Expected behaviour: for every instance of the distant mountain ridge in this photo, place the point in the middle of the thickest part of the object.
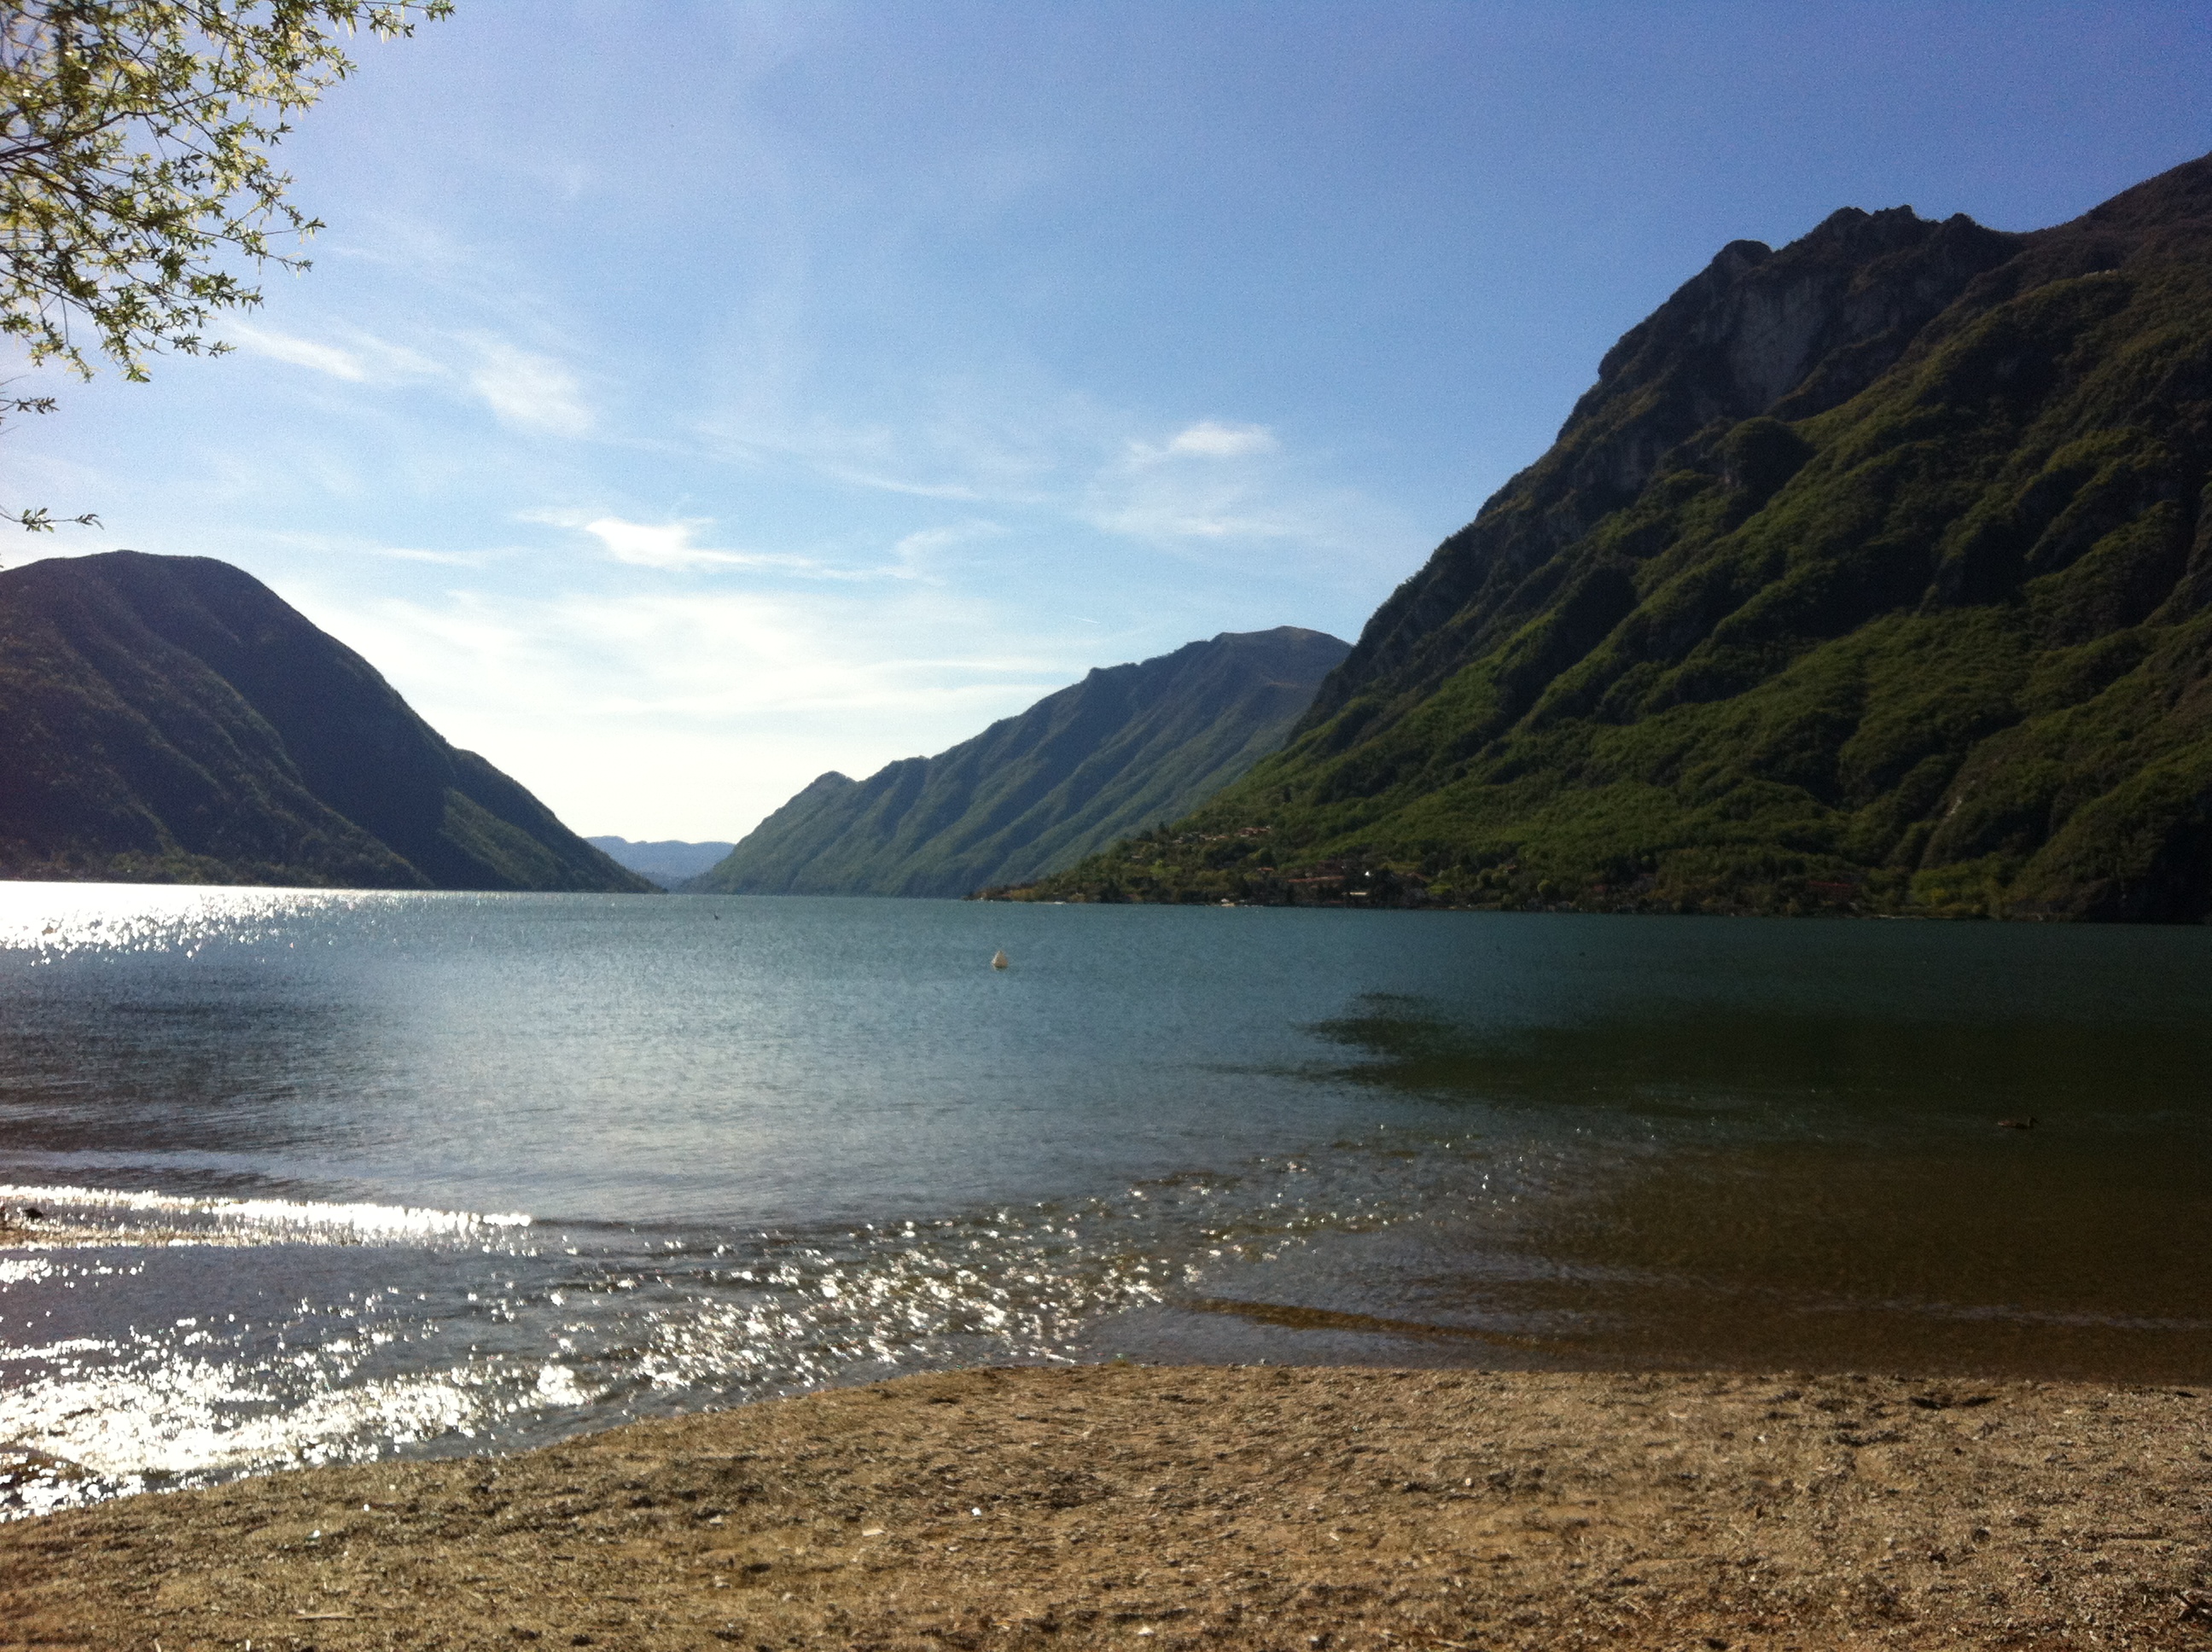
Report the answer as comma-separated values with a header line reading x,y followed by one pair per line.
x,y
1873,574
170,719
667,861
1127,746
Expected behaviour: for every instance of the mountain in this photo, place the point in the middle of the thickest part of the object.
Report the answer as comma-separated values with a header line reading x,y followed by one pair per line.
x,y
1873,574
667,862
1126,745
169,719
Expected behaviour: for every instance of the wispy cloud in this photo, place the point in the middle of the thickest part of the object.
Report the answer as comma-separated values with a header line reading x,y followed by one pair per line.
x,y
1212,488
1169,514
440,558
1210,481
360,358
1209,440
662,544
914,554
527,390
673,548
962,442
300,352
1064,456
667,546
957,492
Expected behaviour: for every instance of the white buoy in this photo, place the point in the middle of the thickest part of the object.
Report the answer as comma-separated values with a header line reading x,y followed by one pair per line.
x,y
998,959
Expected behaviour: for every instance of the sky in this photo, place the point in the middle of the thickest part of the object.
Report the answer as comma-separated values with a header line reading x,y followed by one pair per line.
x,y
690,397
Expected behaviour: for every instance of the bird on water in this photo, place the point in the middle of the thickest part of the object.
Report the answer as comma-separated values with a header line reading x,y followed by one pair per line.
x,y
998,959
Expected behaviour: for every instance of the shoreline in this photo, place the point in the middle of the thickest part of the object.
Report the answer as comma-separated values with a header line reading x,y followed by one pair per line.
x,y
1228,1507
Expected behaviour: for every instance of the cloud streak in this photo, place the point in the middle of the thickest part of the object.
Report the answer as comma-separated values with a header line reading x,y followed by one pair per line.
x,y
1208,485
527,391
1210,439
667,546
671,548
524,390
1206,488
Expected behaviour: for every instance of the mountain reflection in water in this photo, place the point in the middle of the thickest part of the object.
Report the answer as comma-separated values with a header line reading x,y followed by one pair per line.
x,y
1789,1189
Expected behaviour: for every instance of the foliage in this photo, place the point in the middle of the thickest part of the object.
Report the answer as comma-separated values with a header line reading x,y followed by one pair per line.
x,y
136,139
1944,647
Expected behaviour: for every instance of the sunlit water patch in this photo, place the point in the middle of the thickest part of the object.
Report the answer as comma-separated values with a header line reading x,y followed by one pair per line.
x,y
323,1176
44,922
46,1217
416,1331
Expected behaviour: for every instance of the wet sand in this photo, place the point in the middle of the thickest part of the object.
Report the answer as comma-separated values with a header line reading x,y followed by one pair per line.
x,y
1217,1507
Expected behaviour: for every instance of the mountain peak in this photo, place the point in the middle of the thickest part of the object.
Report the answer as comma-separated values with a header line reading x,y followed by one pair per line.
x,y
1875,574
171,719
1787,333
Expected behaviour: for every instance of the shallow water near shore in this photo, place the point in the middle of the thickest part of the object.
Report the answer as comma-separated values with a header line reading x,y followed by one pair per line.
x,y
330,1175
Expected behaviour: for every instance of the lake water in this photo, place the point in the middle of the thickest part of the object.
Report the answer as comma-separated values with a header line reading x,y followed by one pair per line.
x,y
435,1173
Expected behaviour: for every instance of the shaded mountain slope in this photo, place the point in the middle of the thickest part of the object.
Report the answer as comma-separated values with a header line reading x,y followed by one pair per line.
x,y
1129,745
170,719
1875,574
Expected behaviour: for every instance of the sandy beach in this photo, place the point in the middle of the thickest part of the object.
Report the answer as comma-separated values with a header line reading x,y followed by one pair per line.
x,y
1220,1507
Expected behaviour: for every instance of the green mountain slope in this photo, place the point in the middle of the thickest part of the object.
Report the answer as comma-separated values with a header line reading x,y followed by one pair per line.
x,y
1873,574
1128,745
168,719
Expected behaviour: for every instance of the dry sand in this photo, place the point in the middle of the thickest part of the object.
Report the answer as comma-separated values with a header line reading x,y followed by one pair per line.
x,y
1153,1508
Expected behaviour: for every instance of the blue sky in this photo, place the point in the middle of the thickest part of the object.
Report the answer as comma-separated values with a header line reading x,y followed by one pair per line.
x,y
688,398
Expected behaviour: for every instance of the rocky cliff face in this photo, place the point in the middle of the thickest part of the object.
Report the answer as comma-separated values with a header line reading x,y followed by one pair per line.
x,y
1873,574
1790,333
170,719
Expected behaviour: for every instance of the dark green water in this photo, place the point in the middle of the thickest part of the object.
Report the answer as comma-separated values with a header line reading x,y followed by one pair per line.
x,y
437,1173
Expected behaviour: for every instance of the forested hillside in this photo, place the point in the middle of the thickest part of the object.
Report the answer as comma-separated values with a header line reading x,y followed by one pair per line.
x,y
1129,745
1873,574
169,719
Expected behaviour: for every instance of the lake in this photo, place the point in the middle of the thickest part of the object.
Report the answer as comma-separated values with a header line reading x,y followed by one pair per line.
x,y
425,1174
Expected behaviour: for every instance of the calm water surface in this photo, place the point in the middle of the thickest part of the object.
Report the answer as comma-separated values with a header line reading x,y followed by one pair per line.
x,y
437,1173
